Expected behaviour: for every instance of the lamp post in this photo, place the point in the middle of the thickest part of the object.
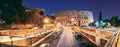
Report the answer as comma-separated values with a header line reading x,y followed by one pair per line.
x,y
11,37
11,41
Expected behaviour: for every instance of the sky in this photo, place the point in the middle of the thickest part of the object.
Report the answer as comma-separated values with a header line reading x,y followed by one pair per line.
x,y
109,8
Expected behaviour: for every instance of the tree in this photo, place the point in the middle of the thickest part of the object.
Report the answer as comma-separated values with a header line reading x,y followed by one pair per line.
x,y
115,21
9,12
92,24
12,11
52,17
100,16
119,22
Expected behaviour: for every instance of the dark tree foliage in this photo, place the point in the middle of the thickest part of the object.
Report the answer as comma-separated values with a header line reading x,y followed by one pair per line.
x,y
106,20
115,21
92,24
52,17
41,13
12,11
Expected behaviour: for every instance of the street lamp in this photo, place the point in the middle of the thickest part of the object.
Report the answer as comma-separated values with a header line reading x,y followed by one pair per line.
x,y
46,20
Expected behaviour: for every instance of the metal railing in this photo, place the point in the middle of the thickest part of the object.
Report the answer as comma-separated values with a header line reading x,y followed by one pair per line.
x,y
113,41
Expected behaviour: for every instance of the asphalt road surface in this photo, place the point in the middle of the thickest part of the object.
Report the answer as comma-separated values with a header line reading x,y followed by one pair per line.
x,y
67,39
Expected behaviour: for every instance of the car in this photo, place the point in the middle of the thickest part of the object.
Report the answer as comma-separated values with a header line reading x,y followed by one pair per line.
x,y
45,45
79,37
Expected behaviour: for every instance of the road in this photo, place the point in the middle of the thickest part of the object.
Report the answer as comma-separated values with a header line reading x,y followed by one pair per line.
x,y
67,38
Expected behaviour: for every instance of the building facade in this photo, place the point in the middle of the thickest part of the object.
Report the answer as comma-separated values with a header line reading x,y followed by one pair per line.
x,y
82,17
36,16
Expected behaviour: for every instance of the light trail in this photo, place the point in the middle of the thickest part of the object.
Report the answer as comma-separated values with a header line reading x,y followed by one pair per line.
x,y
67,38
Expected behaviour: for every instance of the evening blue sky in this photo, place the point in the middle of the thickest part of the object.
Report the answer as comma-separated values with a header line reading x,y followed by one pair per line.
x,y
109,8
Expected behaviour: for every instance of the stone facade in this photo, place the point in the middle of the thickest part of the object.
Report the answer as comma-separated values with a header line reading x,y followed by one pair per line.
x,y
82,17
